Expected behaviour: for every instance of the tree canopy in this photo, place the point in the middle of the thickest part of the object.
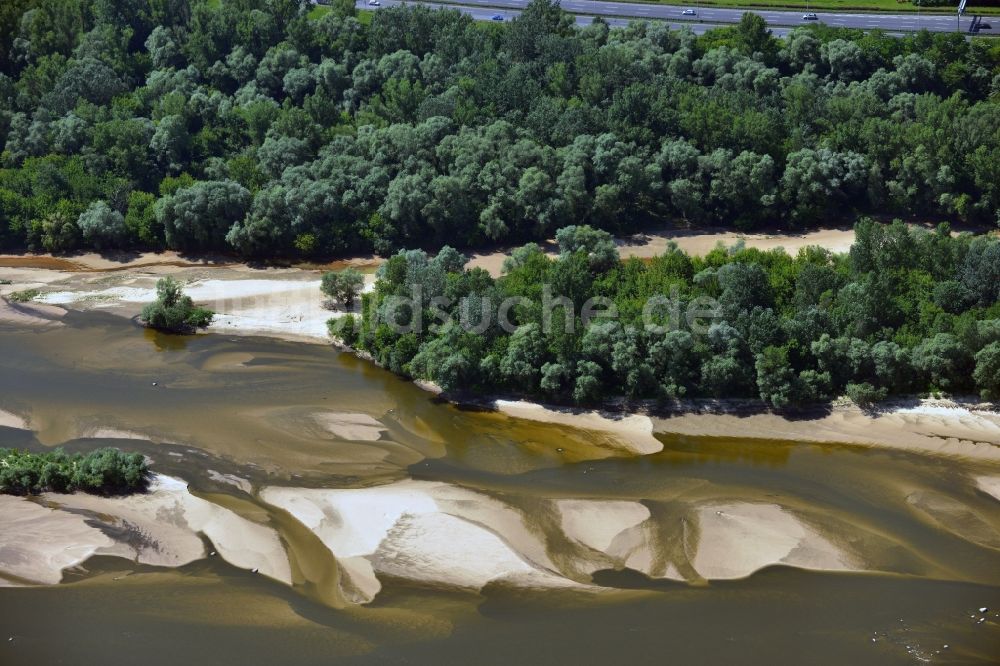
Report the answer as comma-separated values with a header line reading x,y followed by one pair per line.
x,y
104,471
173,311
262,128
738,322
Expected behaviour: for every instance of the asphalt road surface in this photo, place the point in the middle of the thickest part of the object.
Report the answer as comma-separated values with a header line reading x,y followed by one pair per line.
x,y
619,14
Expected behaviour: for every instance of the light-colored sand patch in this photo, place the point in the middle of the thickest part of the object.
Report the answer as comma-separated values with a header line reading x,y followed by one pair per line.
x,y
989,485
738,539
702,241
623,532
633,431
693,241
11,420
294,307
354,427
37,543
596,523
291,308
952,432
232,480
113,433
162,528
448,549
99,297
414,530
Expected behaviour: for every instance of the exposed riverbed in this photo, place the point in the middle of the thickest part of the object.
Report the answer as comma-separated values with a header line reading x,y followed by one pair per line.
x,y
312,508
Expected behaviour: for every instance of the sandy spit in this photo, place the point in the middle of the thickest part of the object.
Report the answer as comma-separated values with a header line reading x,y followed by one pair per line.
x,y
932,427
418,530
990,485
38,543
441,534
634,432
162,528
740,538
10,420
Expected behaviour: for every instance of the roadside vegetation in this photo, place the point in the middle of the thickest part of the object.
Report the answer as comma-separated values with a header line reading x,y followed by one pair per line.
x,y
907,311
105,471
247,127
173,311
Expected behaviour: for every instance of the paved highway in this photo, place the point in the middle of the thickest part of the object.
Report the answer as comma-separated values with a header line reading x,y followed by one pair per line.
x,y
487,14
619,13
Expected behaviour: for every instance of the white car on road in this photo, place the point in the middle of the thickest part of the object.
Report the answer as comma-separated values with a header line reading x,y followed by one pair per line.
x,y
689,12
810,17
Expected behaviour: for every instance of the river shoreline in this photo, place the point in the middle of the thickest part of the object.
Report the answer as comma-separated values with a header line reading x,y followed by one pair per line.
x,y
375,528
287,304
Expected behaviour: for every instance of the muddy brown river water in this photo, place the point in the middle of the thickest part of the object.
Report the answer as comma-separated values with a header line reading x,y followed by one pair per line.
x,y
922,541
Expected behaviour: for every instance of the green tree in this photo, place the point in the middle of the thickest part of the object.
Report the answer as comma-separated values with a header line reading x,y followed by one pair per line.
x,y
199,216
775,378
864,394
173,311
102,226
598,246
343,286
105,471
943,361
987,372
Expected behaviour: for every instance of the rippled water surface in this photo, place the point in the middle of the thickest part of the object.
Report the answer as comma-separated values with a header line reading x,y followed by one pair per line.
x,y
244,408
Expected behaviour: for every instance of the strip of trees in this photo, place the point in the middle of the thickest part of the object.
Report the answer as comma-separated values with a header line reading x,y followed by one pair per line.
x,y
906,311
254,127
105,471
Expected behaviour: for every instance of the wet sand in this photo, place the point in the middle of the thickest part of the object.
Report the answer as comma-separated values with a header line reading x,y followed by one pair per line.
x,y
37,543
412,529
936,427
161,527
9,420
631,432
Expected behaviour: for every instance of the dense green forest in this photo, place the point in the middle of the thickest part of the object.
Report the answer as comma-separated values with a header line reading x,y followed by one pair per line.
x,y
906,311
255,127
104,471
